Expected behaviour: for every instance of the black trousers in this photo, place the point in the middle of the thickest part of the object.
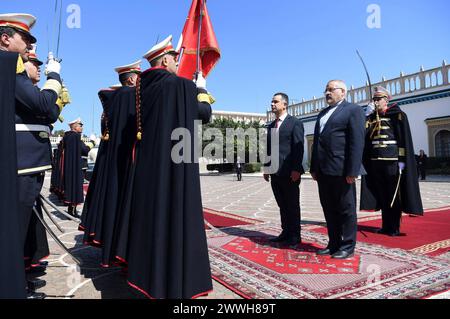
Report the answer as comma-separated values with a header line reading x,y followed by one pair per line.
x,y
338,200
385,178
33,235
239,174
423,172
287,195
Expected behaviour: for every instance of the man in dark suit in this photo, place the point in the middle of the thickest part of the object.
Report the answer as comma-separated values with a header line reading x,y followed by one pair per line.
x,y
335,164
285,177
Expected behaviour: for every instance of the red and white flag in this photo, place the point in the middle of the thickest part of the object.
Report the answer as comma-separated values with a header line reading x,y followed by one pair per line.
x,y
209,48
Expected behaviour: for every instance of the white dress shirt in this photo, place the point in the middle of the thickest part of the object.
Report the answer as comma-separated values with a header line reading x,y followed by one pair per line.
x,y
280,121
324,119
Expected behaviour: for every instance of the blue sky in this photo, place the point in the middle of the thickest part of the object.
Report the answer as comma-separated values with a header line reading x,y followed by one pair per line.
x,y
267,46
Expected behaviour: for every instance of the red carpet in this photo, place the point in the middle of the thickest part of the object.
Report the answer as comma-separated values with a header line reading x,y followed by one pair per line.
x,y
243,260
85,188
222,219
428,234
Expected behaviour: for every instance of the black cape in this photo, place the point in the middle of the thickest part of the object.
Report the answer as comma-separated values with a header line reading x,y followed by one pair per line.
x,y
122,137
12,271
168,253
72,174
409,192
95,197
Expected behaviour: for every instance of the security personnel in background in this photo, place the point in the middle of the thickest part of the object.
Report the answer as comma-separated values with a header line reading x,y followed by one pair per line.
x,y
391,181
35,111
72,166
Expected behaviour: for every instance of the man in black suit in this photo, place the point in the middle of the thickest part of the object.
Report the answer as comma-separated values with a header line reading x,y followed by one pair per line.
x,y
285,177
335,164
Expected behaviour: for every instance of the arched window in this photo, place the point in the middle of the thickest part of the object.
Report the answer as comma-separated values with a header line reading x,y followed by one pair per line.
x,y
442,142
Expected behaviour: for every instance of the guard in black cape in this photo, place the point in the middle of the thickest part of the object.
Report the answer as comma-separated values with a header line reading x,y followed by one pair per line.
x,y
391,181
35,111
104,226
97,184
72,162
168,253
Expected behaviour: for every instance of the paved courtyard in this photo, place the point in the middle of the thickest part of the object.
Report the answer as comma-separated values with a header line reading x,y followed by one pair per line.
x,y
252,197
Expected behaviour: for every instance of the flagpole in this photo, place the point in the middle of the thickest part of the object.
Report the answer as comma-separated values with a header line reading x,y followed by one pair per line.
x,y
197,72
93,116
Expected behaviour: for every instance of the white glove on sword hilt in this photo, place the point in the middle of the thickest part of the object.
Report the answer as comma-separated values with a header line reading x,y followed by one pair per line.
x,y
200,81
401,166
52,65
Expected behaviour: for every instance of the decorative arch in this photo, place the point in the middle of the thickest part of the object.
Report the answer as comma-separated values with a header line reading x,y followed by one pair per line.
x,y
442,143
439,136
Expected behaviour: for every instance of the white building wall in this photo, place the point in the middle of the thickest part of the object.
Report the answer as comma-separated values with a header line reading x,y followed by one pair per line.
x,y
309,130
418,113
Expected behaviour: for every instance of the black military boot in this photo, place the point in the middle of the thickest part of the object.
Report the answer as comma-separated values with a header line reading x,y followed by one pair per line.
x,y
35,284
31,294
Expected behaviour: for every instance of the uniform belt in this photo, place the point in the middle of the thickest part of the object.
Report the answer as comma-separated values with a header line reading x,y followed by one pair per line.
x,y
385,159
384,142
32,128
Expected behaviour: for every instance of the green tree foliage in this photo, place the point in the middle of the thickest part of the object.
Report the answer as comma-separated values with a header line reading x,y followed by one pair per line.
x,y
248,144
58,133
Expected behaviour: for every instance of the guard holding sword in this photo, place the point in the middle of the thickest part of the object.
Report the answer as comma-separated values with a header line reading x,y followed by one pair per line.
x,y
391,181
35,111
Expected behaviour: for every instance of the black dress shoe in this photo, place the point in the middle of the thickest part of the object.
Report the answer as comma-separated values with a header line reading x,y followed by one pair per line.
x,y
35,284
325,251
391,233
282,237
36,295
342,255
291,241
394,233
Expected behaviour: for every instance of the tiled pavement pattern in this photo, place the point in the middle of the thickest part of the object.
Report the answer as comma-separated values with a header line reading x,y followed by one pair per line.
x,y
252,197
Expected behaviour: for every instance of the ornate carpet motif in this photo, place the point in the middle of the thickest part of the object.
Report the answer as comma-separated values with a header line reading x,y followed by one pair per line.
x,y
300,259
239,259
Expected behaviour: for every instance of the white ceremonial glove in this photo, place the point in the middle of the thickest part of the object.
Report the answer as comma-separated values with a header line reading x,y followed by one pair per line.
x,y
52,65
401,166
200,82
93,137
370,108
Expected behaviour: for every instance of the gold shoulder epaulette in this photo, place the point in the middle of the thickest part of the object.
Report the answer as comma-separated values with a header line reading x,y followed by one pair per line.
x,y
205,98
20,66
